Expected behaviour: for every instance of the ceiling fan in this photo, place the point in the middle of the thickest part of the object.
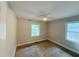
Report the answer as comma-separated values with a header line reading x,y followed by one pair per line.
x,y
46,14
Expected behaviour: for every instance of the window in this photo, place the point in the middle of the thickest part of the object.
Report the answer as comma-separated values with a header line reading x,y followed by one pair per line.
x,y
35,30
73,32
2,31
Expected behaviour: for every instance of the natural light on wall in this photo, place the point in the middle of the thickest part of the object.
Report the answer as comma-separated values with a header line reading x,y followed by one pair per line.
x,y
73,32
35,28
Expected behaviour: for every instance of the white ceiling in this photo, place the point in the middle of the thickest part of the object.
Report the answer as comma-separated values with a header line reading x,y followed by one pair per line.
x,y
52,9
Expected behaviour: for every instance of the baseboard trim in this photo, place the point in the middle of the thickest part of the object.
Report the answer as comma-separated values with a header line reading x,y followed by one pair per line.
x,y
65,47
14,52
30,42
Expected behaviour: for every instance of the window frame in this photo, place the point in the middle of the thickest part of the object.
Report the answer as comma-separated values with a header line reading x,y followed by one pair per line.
x,y
32,30
66,28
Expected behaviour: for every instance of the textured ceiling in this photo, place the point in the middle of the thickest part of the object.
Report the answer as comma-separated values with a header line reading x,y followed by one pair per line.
x,y
51,9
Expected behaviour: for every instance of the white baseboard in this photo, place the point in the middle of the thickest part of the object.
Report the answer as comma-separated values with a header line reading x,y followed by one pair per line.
x,y
30,42
63,46
14,52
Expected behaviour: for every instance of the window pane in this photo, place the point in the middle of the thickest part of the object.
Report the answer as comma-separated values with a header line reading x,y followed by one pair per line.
x,y
73,32
73,36
73,27
2,31
35,30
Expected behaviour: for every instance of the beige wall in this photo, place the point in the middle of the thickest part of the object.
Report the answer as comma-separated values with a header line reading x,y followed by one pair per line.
x,y
10,33
57,33
24,31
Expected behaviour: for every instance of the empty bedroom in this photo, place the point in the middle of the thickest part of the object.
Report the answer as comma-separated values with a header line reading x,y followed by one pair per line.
x,y
39,29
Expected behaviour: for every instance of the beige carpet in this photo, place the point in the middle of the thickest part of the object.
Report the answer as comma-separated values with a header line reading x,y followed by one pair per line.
x,y
43,49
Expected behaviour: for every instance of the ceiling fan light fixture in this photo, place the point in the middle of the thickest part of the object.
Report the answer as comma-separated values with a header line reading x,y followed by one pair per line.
x,y
45,19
